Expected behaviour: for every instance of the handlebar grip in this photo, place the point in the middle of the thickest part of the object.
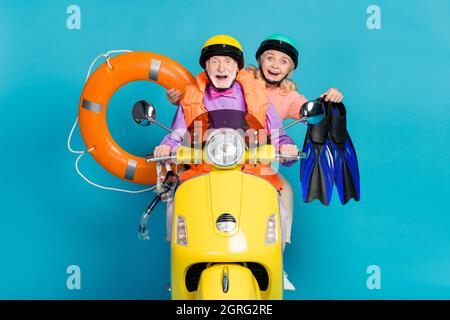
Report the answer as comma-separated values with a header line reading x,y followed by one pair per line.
x,y
300,155
150,158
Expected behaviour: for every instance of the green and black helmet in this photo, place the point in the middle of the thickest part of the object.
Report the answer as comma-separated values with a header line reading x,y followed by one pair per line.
x,y
281,43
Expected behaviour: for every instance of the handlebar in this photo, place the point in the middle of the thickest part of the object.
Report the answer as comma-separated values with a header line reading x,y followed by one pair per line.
x,y
301,155
150,158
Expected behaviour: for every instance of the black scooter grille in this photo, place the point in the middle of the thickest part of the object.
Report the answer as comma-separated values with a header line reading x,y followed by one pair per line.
x,y
193,276
260,274
226,217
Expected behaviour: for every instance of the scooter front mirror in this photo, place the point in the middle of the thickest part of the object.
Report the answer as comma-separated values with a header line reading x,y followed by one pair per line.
x,y
312,112
144,113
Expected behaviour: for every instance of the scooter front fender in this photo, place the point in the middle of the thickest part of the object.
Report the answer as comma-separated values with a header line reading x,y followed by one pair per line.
x,y
228,282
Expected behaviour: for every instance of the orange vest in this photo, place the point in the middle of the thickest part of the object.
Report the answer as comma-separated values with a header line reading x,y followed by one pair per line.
x,y
257,104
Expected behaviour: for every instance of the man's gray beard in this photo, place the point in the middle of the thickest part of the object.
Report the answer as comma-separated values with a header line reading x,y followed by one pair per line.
x,y
220,89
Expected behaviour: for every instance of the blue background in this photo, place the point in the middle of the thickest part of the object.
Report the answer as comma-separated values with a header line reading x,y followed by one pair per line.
x,y
395,81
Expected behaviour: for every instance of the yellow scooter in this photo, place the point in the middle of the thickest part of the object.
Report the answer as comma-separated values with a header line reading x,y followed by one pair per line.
x,y
226,232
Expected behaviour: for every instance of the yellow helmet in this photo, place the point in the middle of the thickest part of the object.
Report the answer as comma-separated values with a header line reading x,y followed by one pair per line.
x,y
222,45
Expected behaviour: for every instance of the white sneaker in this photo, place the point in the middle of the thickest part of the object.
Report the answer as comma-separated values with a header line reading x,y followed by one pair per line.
x,y
287,285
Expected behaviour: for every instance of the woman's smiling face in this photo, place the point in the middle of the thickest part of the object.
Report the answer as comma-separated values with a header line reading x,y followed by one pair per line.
x,y
275,65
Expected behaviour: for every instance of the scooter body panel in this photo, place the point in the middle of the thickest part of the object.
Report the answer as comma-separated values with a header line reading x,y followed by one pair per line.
x,y
228,282
251,200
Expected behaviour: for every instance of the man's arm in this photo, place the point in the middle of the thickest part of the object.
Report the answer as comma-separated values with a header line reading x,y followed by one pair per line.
x,y
178,125
273,123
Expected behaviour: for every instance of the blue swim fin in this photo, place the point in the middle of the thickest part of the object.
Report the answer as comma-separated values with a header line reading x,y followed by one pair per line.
x,y
346,171
317,169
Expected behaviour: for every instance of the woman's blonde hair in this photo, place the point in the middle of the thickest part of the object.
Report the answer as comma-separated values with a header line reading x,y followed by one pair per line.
x,y
285,85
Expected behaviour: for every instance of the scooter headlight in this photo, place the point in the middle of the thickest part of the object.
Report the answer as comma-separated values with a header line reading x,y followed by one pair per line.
x,y
225,148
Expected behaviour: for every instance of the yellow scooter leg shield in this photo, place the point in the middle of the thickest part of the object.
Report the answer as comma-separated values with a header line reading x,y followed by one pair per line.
x,y
245,249
228,282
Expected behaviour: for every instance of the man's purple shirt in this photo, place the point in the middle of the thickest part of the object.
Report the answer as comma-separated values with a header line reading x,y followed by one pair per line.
x,y
235,101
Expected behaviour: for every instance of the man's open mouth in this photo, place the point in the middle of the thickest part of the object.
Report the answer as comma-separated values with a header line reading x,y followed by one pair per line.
x,y
221,77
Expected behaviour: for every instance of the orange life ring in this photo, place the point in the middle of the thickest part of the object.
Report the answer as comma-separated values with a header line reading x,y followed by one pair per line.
x,y
99,88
